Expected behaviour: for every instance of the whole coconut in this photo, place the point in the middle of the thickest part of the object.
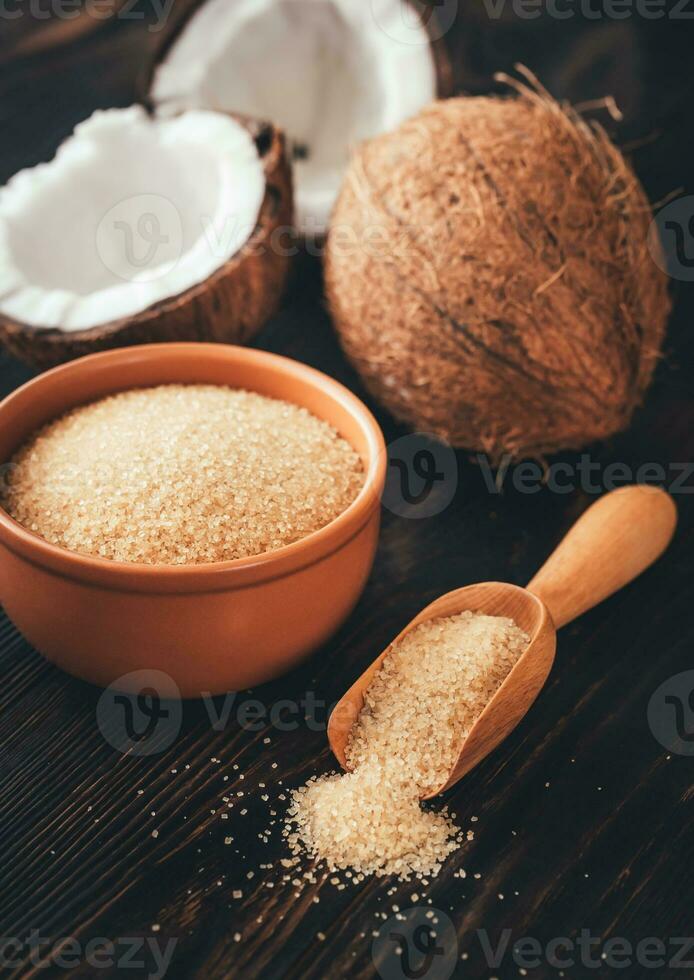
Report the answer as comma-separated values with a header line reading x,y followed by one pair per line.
x,y
488,272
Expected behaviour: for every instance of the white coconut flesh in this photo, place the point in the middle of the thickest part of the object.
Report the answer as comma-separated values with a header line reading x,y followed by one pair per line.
x,y
330,73
131,211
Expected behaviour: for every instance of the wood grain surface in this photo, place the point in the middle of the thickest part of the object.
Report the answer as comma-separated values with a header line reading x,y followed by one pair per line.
x,y
584,817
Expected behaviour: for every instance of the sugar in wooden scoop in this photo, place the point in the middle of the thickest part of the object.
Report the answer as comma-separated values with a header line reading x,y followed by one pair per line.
x,y
429,691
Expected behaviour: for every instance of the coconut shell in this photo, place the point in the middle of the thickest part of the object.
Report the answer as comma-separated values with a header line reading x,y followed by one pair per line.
x,y
228,307
185,9
488,273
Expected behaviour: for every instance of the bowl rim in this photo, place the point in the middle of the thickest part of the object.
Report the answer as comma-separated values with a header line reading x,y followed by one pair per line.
x,y
212,576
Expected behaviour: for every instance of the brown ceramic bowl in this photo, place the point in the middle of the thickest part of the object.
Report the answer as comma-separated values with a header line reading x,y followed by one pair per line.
x,y
211,628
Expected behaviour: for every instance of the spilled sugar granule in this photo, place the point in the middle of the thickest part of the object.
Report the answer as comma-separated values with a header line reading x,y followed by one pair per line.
x,y
182,474
427,694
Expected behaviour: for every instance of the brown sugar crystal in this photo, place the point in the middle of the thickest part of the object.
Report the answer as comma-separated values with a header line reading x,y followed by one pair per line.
x,y
427,694
181,474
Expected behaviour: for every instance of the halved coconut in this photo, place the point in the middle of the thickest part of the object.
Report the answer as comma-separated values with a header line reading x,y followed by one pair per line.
x,y
330,73
144,229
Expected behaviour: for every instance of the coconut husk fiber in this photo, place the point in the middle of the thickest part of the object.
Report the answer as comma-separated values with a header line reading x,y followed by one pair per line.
x,y
488,273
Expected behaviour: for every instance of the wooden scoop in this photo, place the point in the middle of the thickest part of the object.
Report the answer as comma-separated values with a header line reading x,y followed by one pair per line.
x,y
615,540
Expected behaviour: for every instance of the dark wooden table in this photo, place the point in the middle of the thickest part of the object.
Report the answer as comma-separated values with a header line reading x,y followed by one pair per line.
x,y
584,816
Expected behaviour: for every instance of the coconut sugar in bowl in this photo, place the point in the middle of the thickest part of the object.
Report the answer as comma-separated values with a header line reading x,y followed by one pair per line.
x,y
211,625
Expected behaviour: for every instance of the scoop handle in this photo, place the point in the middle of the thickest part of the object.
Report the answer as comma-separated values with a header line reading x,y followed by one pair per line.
x,y
615,540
